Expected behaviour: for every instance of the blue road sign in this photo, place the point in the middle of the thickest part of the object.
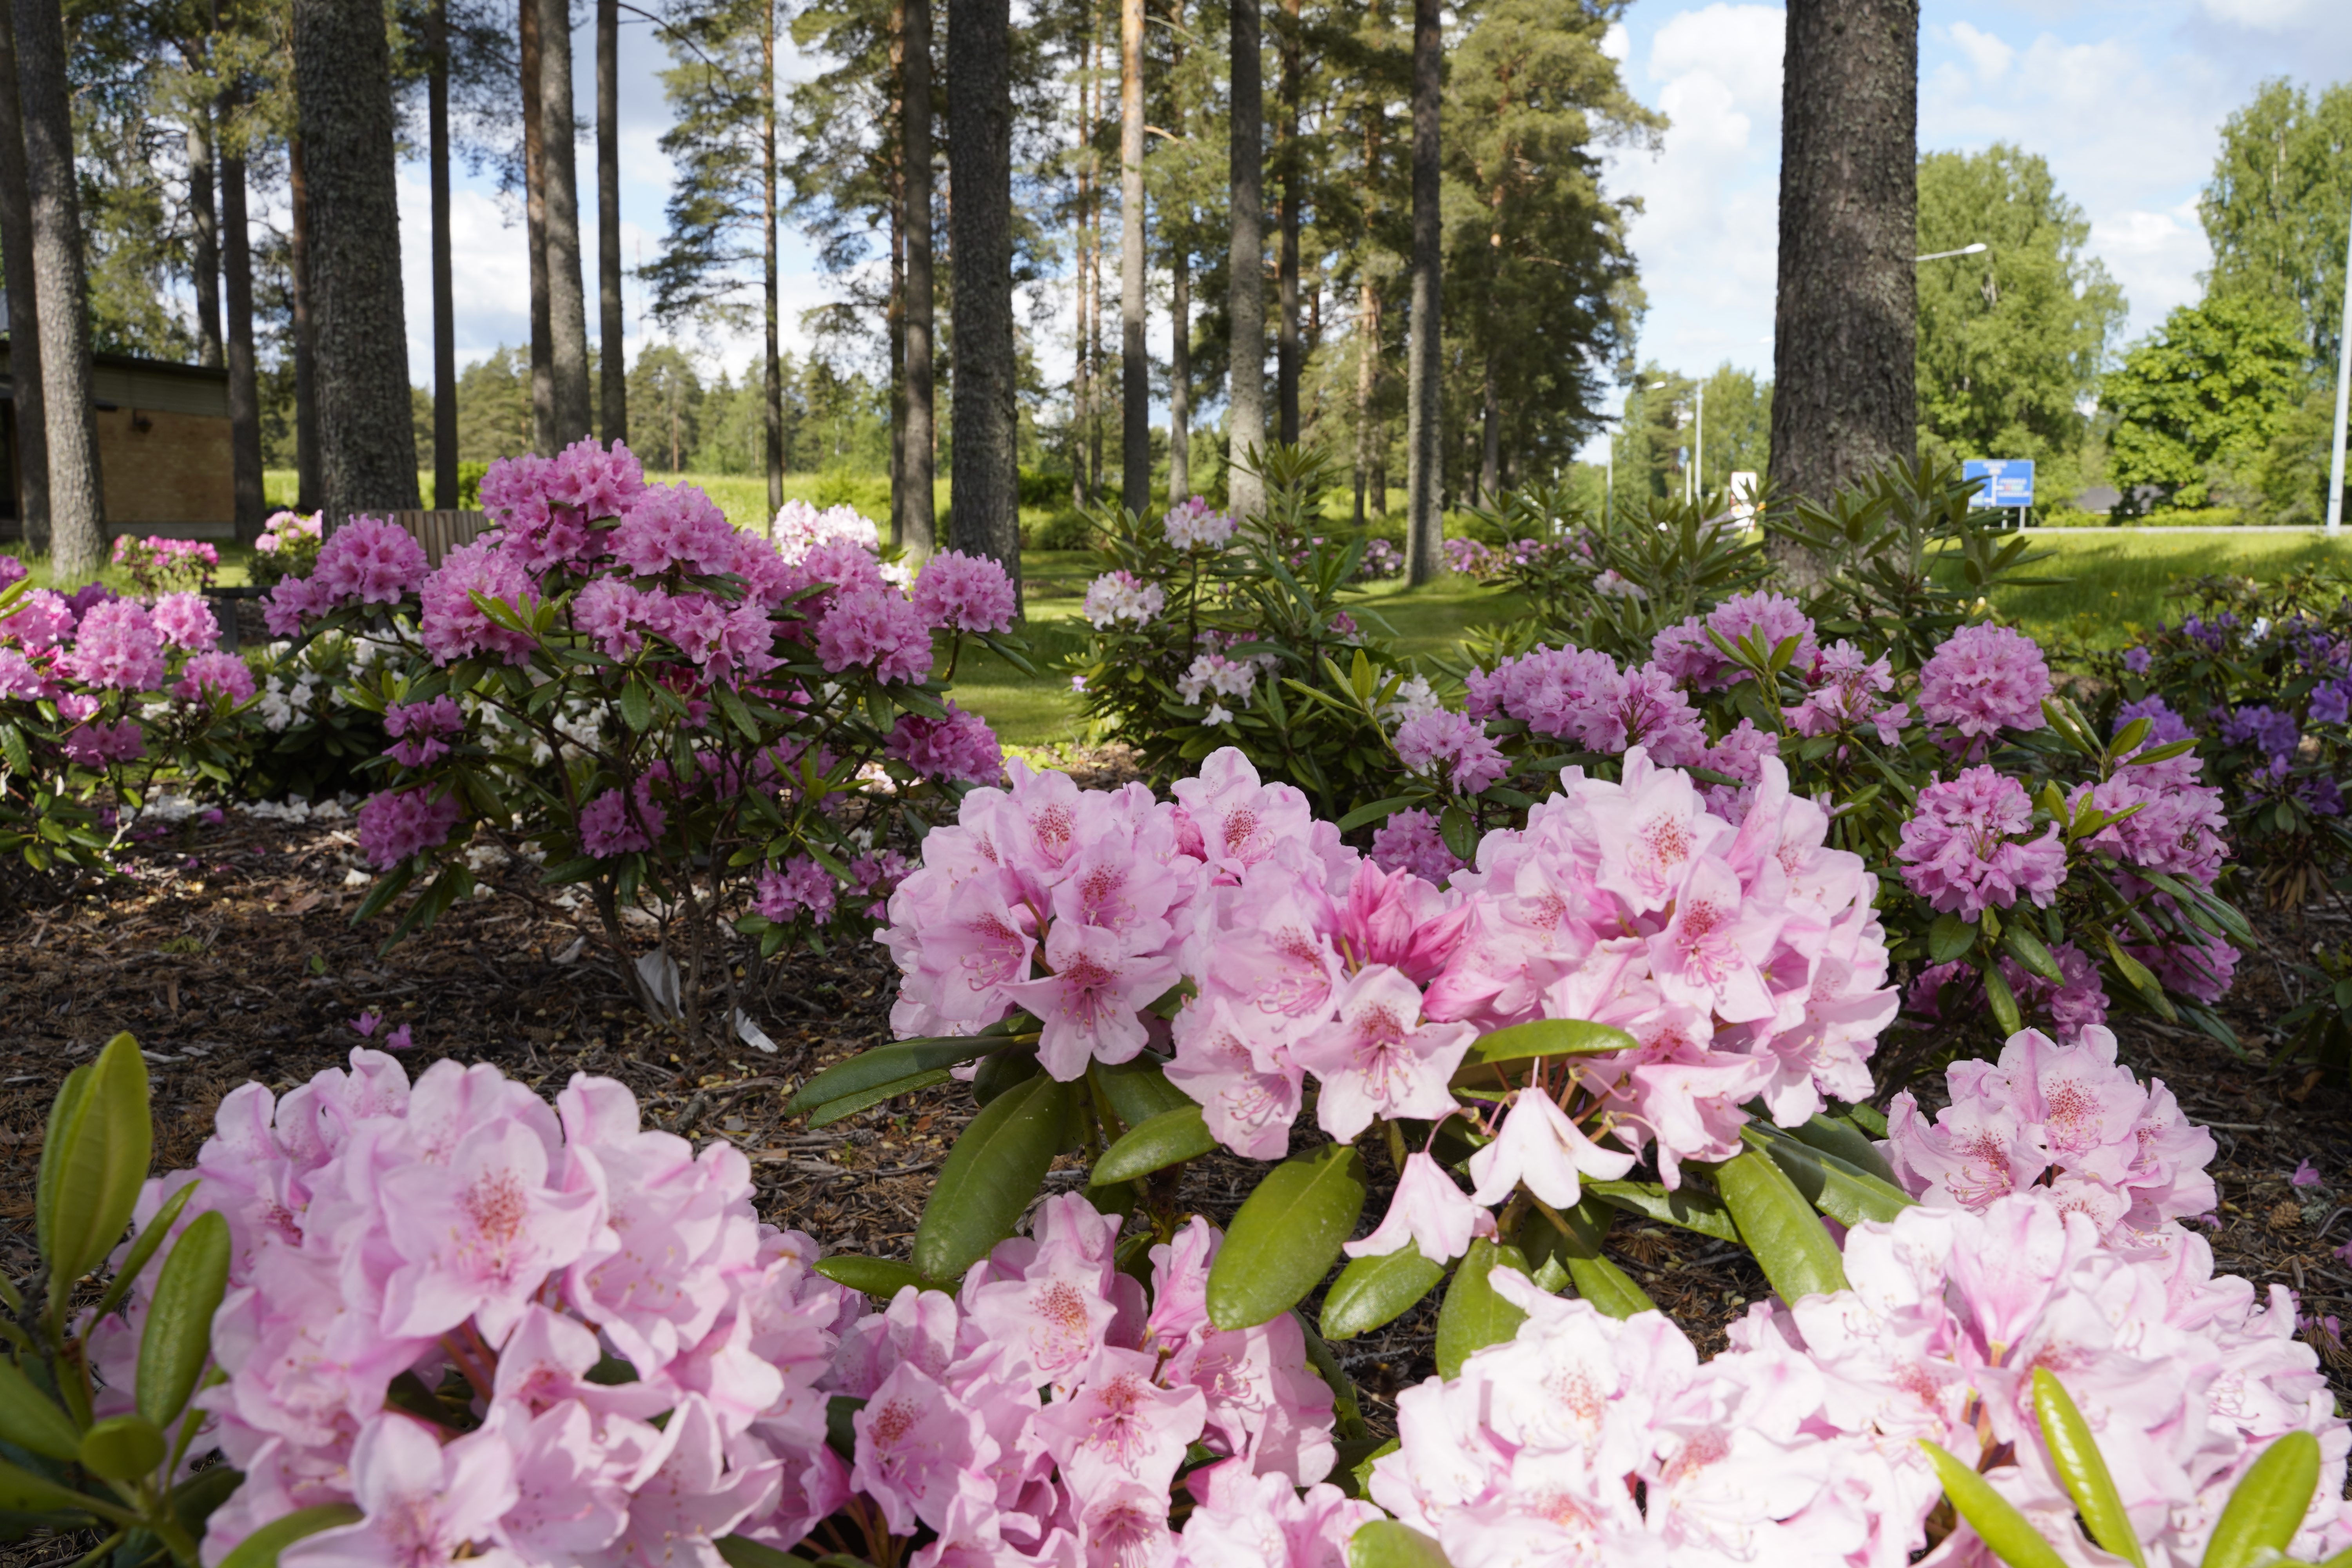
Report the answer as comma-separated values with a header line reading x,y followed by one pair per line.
x,y
2009,481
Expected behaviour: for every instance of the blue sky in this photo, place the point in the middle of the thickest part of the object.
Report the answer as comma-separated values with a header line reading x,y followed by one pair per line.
x,y
2125,99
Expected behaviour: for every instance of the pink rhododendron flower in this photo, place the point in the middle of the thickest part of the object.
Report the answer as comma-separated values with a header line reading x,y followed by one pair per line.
x,y
1542,1147
1409,841
186,621
1430,1211
215,674
959,747
1964,851
367,560
1985,679
451,625
878,629
802,885
425,1503
2066,1114
965,593
1473,761
1379,1058
117,647
1090,1001
418,727
39,620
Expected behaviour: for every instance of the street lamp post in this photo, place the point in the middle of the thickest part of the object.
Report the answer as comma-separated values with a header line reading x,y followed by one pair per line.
x,y
2343,383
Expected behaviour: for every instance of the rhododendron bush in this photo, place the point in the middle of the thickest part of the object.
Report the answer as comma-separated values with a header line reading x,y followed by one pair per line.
x,y
731,732
1214,631
100,696
1658,998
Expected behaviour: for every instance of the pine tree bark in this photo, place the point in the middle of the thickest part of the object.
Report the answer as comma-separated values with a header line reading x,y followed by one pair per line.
x,y
1490,430
77,501
895,311
367,435
1179,378
919,518
1424,520
1287,356
31,432
204,217
567,299
1135,358
1846,317
244,382
1368,372
984,517
534,209
612,322
1245,395
1095,395
309,475
771,368
444,299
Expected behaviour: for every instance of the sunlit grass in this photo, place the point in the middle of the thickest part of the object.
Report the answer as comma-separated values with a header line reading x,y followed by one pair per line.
x,y
2112,580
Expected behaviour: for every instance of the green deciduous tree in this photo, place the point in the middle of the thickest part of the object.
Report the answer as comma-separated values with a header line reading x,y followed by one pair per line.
x,y
2011,341
2203,397
2275,209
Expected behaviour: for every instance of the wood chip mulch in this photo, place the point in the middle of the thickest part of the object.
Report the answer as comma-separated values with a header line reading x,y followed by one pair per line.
x,y
228,953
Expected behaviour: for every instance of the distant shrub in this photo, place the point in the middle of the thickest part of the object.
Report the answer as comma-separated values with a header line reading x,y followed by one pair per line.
x,y
1065,530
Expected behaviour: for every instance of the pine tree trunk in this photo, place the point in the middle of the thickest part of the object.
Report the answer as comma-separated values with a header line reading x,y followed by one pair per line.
x,y
986,518
919,518
309,481
1424,519
1179,378
1096,397
367,432
534,208
1082,392
444,299
31,432
1490,431
567,299
1135,358
1846,326
244,385
612,322
1246,399
77,502
771,364
895,311
1367,372
204,217
1286,266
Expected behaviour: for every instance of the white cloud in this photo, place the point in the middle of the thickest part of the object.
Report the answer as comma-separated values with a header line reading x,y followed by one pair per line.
x,y
1707,234
1985,52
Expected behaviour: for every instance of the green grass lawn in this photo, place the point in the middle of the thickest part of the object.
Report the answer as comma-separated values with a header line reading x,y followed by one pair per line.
x,y
2115,580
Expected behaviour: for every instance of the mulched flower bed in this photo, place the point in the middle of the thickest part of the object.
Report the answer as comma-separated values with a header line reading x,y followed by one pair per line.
x,y
229,954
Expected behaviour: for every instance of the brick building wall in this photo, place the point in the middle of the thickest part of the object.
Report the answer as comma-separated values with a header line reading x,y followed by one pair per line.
x,y
164,457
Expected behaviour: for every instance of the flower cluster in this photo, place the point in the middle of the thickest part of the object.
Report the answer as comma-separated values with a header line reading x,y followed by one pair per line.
x,y
1584,1439
654,576
1985,679
1381,559
1969,845
1121,596
432,1286
1688,653
2066,1117
1742,956
158,565
1194,524
1213,672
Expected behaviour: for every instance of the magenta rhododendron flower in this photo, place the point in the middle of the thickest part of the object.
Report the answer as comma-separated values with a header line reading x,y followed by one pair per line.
x,y
186,621
960,746
208,675
398,824
1471,761
1409,841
